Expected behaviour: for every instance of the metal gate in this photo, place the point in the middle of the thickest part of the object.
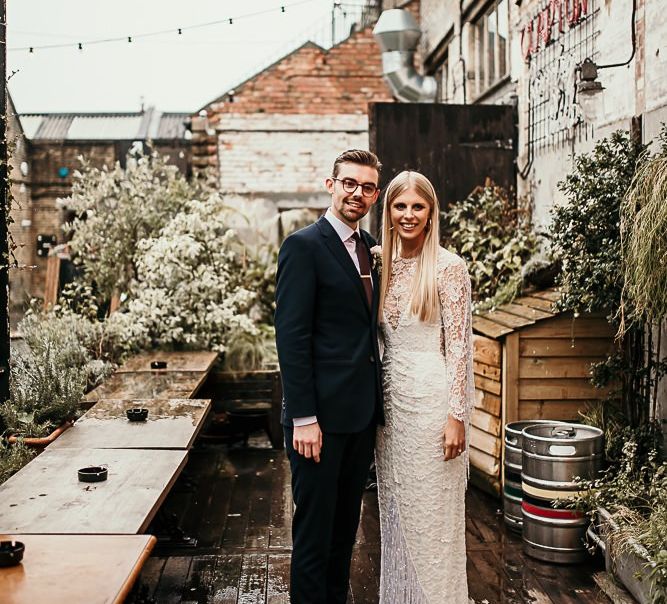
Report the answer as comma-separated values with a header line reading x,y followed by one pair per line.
x,y
456,146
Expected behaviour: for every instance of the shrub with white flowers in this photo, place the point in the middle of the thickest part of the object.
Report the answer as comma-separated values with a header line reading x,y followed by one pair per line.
x,y
189,289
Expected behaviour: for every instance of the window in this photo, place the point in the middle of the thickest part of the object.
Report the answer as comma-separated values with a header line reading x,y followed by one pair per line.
x,y
488,47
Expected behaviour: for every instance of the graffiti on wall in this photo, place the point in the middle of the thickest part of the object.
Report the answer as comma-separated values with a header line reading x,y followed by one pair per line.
x,y
549,23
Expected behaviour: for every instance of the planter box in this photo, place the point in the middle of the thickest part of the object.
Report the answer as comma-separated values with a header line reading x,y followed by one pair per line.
x,y
629,567
252,399
42,442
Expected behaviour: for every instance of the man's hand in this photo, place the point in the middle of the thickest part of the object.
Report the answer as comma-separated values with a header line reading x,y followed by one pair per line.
x,y
307,441
454,438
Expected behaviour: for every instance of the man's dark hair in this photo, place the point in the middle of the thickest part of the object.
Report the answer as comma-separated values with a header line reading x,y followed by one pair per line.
x,y
357,156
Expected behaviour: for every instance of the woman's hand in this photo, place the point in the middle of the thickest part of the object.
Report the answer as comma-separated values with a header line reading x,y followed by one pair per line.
x,y
454,438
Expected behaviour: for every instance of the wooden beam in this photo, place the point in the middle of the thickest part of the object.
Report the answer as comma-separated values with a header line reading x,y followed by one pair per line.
x,y
486,421
487,350
489,328
565,347
487,402
510,380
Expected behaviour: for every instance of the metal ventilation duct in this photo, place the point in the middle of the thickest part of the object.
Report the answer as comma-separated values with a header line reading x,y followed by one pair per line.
x,y
397,34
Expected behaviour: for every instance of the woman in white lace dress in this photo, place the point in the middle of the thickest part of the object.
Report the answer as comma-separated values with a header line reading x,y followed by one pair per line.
x,y
421,452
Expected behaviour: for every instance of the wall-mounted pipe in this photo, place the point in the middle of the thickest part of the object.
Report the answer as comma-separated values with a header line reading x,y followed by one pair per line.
x,y
397,34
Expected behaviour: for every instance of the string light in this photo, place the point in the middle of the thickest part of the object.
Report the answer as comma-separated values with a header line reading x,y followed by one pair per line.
x,y
180,30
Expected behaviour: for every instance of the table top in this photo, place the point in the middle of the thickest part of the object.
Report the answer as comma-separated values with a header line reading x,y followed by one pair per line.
x,y
63,569
46,496
147,385
176,361
171,424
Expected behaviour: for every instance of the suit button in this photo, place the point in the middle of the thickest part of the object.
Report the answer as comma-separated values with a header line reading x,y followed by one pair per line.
x,y
372,359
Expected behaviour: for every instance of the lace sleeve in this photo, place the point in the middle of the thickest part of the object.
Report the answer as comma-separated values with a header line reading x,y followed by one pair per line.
x,y
455,305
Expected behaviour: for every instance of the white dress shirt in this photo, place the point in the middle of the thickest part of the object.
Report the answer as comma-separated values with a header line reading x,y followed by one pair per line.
x,y
345,233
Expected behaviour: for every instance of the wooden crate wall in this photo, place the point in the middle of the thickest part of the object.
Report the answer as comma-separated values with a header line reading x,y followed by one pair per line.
x,y
552,363
486,421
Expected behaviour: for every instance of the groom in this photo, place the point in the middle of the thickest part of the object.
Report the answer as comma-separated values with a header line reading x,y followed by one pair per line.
x,y
326,319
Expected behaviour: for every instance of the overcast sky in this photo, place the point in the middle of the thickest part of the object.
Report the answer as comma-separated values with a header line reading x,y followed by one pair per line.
x,y
173,72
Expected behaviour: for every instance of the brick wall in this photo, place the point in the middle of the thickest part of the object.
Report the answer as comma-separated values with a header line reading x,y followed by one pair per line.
x,y
341,80
47,186
638,88
273,146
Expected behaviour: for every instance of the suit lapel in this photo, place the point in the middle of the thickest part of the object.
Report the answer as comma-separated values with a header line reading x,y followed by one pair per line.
x,y
337,248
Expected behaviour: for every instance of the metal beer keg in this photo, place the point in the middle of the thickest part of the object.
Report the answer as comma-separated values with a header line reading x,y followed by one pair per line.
x,y
553,456
512,471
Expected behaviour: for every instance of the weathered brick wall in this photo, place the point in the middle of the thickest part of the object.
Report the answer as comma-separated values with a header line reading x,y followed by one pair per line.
x,y
273,146
46,158
284,155
638,88
311,80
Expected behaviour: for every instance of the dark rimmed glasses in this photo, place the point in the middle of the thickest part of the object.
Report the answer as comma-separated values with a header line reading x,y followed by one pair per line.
x,y
368,189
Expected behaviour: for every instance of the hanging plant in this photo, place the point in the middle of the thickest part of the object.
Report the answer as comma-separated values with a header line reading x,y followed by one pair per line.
x,y
644,241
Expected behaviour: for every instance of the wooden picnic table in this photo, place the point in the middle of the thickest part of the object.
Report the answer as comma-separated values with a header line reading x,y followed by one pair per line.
x,y
176,361
147,385
46,496
171,424
66,569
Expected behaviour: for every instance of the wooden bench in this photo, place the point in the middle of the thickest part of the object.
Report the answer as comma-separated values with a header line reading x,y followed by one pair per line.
x,y
250,398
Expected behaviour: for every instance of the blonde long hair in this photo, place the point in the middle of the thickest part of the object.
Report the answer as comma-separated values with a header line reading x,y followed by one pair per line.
x,y
424,301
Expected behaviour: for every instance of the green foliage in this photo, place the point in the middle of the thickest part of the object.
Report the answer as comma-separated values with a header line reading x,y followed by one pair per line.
x,y
116,208
644,241
585,231
44,393
494,238
13,458
633,489
190,285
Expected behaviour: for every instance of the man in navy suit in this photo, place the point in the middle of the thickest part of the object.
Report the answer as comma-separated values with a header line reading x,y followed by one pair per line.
x,y
326,334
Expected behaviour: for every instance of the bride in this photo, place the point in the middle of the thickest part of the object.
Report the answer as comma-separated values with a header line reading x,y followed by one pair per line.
x,y
421,452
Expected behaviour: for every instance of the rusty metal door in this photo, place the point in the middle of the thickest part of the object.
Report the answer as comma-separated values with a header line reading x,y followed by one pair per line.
x,y
456,146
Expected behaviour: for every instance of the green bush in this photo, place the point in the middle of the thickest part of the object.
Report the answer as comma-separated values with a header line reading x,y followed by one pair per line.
x,y
495,239
585,231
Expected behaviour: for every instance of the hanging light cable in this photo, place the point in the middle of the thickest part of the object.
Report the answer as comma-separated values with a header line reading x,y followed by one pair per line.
x,y
230,20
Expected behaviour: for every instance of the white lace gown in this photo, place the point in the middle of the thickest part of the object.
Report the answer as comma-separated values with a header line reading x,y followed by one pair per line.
x,y
428,375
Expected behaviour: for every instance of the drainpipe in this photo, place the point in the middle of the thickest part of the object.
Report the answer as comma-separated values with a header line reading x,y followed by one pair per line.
x,y
397,33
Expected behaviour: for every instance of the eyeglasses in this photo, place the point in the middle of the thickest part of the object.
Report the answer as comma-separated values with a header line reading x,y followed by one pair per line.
x,y
350,185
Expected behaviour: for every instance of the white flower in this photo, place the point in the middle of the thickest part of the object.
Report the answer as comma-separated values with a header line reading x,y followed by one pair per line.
x,y
376,257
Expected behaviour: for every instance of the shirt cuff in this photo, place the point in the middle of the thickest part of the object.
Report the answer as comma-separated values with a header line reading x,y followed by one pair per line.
x,y
304,421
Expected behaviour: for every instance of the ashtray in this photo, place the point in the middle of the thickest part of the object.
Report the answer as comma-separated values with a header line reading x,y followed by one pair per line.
x,y
137,414
158,364
11,552
93,474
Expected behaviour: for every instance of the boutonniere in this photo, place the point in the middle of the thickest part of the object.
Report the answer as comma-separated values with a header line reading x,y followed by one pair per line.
x,y
376,257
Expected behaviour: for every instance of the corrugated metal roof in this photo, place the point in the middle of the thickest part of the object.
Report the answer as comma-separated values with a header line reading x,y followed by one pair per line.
x,y
149,124
172,125
30,124
99,127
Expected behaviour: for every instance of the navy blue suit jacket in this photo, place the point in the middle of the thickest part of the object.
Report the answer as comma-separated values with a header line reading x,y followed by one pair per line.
x,y
326,333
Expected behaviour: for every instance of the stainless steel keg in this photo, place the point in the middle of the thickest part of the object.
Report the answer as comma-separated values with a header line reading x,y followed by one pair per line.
x,y
553,457
512,471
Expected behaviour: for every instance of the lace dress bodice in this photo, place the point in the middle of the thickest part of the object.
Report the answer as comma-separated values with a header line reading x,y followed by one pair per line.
x,y
452,335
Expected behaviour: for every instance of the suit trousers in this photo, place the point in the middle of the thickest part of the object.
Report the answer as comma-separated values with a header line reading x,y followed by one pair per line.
x,y
328,505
